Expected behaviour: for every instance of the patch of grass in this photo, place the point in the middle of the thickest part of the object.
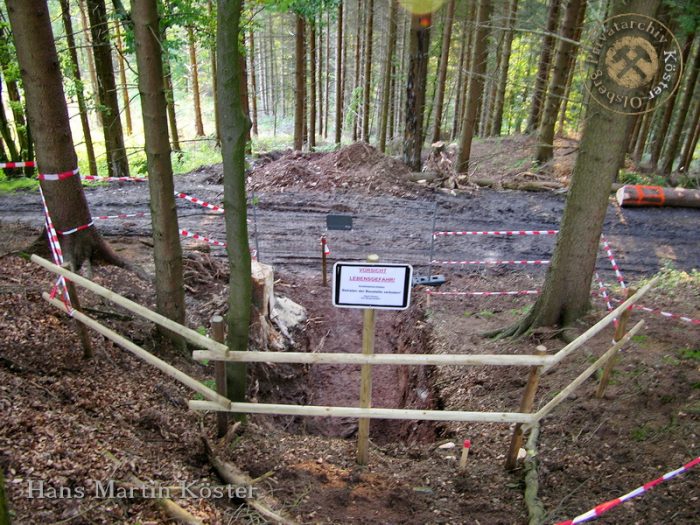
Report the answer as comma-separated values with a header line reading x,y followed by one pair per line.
x,y
671,279
640,339
201,330
486,314
519,312
691,354
209,383
641,433
670,360
13,185
632,177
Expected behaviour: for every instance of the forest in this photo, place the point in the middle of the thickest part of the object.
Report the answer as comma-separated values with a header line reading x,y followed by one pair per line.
x,y
182,168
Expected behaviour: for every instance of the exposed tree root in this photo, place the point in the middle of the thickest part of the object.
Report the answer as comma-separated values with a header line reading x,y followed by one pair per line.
x,y
535,509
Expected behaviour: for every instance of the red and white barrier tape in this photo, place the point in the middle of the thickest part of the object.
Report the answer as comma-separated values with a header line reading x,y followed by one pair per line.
x,y
120,216
613,262
506,232
199,237
326,248
490,262
78,229
658,311
604,507
58,176
485,294
115,179
195,200
10,165
57,254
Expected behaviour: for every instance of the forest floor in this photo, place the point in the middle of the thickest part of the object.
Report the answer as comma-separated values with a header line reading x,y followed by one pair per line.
x,y
71,422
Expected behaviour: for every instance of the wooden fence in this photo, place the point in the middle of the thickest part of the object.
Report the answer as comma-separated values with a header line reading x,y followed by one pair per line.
x,y
218,352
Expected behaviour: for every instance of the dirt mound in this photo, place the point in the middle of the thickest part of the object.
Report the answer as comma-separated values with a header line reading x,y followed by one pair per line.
x,y
358,166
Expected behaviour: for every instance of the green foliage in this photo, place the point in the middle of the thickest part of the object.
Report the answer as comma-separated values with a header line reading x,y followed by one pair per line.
x,y
691,354
209,383
21,183
631,177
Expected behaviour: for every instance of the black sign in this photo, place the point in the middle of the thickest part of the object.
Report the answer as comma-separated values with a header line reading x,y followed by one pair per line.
x,y
339,222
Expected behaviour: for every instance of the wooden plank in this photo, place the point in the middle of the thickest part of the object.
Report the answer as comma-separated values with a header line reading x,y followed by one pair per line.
x,y
371,413
143,354
191,335
377,359
561,396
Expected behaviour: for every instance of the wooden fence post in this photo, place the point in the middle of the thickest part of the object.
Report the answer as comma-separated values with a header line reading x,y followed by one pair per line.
x,y
217,333
80,327
620,332
526,404
323,260
366,380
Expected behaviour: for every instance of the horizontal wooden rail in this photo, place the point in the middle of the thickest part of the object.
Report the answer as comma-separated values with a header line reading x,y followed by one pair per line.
x,y
191,335
372,413
561,396
598,327
161,365
375,359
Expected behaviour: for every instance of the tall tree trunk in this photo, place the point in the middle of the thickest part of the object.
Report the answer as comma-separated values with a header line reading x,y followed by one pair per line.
x,y
234,127
319,75
339,76
387,77
565,295
674,140
357,83
122,78
117,162
7,133
541,81
169,94
194,72
328,76
566,51
497,122
642,138
456,118
415,90
312,82
253,83
368,70
90,59
75,72
572,67
245,97
47,114
214,80
167,252
300,83
442,69
476,85
691,140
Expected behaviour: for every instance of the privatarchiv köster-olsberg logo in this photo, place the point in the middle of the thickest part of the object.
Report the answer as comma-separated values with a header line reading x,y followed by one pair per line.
x,y
636,63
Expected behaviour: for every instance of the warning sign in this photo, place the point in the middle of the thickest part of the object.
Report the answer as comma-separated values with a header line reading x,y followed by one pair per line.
x,y
376,286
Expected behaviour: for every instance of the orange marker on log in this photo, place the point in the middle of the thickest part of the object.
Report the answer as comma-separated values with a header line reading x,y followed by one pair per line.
x,y
638,195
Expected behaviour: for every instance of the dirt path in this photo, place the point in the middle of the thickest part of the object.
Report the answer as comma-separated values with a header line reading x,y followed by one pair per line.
x,y
289,224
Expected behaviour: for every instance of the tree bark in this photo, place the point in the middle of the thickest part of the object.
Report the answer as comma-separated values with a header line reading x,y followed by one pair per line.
x,y
476,85
442,70
4,505
194,72
90,59
357,81
312,84
565,295
674,139
463,58
541,80
691,140
415,90
122,79
319,75
75,71
299,82
169,95
117,162
566,51
48,117
214,81
167,251
234,127
497,123
326,112
339,76
387,76
253,83
368,70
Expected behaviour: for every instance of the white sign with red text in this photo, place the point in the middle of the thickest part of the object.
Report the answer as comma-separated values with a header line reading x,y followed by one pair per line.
x,y
368,285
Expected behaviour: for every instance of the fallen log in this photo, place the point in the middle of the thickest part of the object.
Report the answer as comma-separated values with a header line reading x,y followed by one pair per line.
x,y
234,476
535,509
638,195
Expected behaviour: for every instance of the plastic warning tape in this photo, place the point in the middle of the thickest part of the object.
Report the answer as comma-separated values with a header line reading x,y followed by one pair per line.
x,y
199,237
58,176
115,179
490,262
195,200
660,312
485,294
505,232
606,298
78,229
613,262
10,165
120,216
57,254
604,507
